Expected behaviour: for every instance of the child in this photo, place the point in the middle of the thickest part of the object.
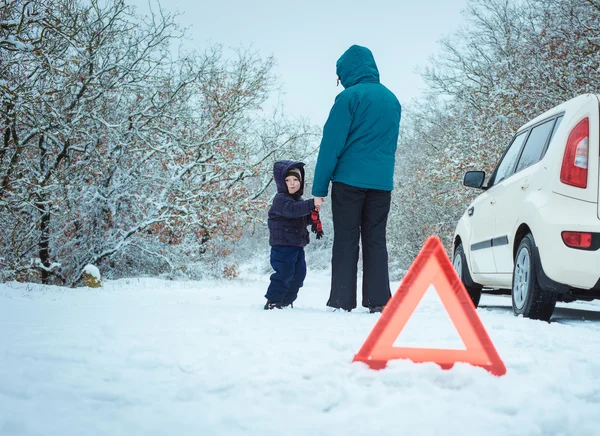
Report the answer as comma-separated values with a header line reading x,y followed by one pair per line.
x,y
288,218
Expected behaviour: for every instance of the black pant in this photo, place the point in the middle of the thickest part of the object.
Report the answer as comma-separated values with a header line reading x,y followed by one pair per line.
x,y
359,213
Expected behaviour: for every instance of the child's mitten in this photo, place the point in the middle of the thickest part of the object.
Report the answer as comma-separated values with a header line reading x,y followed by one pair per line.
x,y
317,226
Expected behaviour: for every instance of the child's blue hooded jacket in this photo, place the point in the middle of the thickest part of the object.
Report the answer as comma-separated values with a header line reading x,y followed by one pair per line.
x,y
289,214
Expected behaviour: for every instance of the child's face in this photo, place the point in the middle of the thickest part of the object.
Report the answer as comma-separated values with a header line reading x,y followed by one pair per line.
x,y
293,184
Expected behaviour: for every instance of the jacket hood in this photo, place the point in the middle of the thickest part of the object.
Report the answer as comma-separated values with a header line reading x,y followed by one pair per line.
x,y
357,64
280,168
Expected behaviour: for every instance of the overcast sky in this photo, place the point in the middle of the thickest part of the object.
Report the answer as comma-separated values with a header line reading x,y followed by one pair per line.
x,y
307,37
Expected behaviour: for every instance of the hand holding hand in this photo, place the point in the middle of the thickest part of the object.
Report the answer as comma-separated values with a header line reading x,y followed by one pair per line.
x,y
318,202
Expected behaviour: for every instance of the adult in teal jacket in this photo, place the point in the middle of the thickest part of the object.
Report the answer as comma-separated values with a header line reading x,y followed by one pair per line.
x,y
357,155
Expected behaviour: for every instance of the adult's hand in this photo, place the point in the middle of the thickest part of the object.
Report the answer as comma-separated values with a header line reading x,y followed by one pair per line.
x,y
319,201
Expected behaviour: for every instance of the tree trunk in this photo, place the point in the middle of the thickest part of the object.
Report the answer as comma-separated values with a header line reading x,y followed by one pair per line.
x,y
44,241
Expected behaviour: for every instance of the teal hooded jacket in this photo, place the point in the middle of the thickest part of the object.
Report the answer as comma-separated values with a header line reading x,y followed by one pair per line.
x,y
361,134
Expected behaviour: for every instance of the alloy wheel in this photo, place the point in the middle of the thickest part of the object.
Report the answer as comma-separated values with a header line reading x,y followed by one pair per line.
x,y
458,265
521,278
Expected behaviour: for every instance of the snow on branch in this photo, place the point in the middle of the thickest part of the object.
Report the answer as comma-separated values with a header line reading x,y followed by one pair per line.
x,y
116,155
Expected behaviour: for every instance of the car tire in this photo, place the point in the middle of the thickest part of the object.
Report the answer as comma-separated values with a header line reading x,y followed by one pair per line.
x,y
528,297
460,266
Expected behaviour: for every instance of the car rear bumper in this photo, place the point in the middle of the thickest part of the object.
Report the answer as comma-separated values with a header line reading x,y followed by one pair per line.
x,y
570,266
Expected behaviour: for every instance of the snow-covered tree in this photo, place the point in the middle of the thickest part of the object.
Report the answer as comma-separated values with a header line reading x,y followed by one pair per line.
x,y
118,153
512,61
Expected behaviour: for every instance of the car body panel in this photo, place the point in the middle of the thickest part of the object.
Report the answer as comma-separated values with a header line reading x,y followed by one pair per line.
x,y
535,199
482,230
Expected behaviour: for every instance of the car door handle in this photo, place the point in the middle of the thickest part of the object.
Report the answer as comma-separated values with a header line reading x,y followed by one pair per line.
x,y
493,201
470,211
524,186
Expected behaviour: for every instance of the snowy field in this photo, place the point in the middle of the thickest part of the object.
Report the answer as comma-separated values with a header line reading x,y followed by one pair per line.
x,y
153,357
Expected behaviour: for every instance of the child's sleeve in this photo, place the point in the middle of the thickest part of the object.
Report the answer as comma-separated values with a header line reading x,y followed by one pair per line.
x,y
291,208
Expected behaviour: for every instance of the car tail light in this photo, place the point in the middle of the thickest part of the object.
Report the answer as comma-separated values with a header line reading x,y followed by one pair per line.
x,y
575,161
577,239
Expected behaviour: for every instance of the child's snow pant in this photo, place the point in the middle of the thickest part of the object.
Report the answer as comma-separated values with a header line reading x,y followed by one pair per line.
x,y
290,270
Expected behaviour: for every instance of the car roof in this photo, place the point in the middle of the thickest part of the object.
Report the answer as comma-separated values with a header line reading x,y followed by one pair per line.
x,y
574,103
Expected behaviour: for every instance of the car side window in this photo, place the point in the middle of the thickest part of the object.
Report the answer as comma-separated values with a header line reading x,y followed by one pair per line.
x,y
556,124
558,120
535,145
507,164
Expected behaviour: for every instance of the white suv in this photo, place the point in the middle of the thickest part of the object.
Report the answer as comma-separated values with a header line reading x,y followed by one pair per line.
x,y
535,229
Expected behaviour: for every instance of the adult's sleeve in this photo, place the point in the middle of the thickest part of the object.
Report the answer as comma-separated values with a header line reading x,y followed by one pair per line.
x,y
335,133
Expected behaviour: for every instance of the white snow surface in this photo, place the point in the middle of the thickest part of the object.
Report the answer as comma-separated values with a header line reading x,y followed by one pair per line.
x,y
156,357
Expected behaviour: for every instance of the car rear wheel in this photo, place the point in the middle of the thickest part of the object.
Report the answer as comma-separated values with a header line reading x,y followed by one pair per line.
x,y
460,266
528,298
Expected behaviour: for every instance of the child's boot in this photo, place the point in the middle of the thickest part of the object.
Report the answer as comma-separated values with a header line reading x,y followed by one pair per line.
x,y
272,305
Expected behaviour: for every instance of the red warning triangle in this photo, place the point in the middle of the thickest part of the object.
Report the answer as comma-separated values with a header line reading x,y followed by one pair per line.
x,y
431,267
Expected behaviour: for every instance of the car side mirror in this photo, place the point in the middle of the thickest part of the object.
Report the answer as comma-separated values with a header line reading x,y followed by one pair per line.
x,y
474,179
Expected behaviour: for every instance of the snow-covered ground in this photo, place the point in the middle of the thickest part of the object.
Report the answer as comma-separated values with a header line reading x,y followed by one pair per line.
x,y
153,357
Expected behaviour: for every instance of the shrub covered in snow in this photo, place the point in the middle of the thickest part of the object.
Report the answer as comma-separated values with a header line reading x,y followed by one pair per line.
x,y
91,276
